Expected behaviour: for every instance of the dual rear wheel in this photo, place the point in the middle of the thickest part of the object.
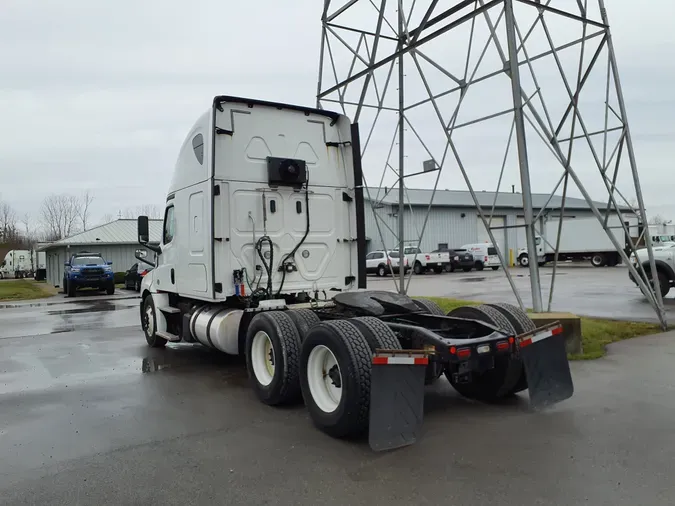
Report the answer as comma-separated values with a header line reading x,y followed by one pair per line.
x,y
293,356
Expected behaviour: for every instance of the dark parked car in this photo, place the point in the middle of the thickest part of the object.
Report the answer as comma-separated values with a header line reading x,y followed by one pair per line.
x,y
459,259
134,276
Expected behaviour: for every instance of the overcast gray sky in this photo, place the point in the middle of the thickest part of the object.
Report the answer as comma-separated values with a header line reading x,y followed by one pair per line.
x,y
99,95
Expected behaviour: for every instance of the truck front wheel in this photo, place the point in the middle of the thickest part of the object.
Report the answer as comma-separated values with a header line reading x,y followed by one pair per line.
x,y
149,324
110,289
664,282
272,357
523,260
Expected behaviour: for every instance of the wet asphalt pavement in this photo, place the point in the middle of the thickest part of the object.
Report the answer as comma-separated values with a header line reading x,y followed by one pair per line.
x,y
90,415
579,288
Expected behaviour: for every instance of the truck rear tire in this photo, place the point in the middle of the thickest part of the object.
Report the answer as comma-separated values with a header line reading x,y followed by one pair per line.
x,y
418,268
521,323
503,379
598,260
479,266
429,306
273,357
149,324
518,318
434,370
304,320
377,333
336,361
381,271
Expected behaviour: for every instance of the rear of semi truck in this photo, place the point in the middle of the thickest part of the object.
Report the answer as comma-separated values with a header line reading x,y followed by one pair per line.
x,y
262,252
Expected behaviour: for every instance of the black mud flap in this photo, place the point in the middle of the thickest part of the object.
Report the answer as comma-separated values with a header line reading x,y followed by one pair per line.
x,y
548,373
396,399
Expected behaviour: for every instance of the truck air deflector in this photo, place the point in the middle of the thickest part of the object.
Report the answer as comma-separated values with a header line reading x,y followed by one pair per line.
x,y
250,102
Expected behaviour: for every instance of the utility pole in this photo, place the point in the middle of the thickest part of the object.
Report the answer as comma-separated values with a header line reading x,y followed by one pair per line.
x,y
401,156
514,71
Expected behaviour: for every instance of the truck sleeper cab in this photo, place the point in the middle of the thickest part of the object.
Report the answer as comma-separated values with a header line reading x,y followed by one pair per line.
x,y
264,218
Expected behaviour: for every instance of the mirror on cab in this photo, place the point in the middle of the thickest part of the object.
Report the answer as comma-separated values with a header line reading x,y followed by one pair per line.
x,y
143,230
142,255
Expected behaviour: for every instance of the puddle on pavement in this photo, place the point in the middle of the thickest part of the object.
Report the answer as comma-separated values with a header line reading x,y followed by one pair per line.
x,y
199,360
473,280
94,308
153,365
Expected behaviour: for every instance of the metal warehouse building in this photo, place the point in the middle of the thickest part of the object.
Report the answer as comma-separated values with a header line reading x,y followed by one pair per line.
x,y
116,241
454,220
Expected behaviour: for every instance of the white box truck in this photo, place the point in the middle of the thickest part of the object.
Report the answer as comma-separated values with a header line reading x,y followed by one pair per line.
x,y
581,239
264,216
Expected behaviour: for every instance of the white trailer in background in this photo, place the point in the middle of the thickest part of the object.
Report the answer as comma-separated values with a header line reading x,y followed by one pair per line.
x,y
581,239
16,264
23,263
39,265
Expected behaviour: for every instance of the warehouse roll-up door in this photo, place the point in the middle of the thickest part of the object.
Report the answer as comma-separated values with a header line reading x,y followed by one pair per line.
x,y
520,234
498,233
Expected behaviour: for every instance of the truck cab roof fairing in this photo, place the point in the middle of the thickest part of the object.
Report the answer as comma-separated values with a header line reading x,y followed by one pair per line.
x,y
219,100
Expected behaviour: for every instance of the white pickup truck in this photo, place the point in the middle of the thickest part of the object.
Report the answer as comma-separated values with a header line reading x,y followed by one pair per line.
x,y
664,258
422,262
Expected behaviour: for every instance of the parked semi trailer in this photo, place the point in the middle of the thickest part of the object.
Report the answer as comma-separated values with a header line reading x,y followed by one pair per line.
x,y
264,222
16,264
581,239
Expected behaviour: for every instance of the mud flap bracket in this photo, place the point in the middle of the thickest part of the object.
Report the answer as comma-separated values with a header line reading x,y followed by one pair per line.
x,y
396,398
547,369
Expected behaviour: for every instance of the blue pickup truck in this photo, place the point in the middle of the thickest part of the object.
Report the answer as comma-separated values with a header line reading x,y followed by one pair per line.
x,y
88,270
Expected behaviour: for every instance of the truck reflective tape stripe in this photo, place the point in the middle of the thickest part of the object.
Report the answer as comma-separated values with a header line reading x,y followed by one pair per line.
x,y
541,336
400,360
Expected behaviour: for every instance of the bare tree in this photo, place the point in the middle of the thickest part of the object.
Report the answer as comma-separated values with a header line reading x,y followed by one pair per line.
x,y
84,204
8,229
656,220
107,218
59,214
149,210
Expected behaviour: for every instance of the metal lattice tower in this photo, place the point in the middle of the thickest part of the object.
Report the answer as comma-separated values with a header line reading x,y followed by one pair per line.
x,y
540,80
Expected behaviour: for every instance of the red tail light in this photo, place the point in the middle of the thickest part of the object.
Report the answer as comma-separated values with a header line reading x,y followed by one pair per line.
x,y
503,345
144,272
486,259
428,257
464,352
388,261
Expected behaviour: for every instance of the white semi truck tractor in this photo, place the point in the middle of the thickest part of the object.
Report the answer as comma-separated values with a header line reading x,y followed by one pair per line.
x,y
263,255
